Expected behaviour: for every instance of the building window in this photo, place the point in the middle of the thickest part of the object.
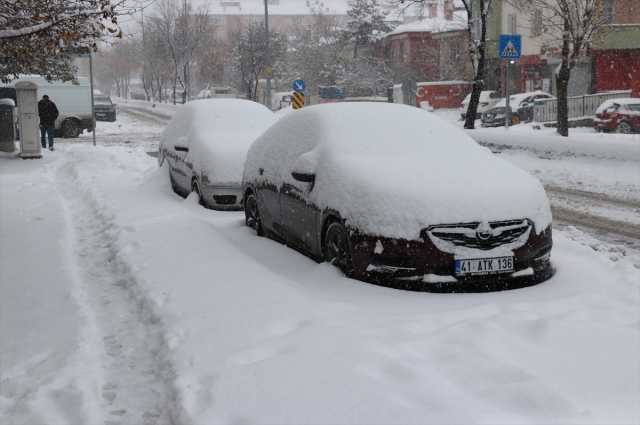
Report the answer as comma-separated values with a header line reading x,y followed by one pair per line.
x,y
306,20
536,29
456,53
433,10
448,10
476,26
338,20
220,35
217,20
288,21
402,56
608,11
513,24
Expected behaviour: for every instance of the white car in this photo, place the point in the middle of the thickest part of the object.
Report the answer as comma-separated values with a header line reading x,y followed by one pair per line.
x,y
206,143
488,99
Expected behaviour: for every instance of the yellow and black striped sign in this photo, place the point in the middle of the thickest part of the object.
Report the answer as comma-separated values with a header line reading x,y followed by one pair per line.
x,y
298,100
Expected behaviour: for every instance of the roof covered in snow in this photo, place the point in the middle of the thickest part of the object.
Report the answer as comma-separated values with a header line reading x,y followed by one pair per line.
x,y
434,25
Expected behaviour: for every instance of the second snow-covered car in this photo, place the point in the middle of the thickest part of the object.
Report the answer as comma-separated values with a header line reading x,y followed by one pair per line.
x,y
619,115
206,144
488,99
394,195
521,109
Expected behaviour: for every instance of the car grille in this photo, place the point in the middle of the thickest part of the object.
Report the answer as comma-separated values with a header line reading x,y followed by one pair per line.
x,y
482,236
225,199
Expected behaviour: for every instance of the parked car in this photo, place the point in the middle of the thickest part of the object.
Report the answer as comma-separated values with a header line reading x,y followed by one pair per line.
x,y
394,195
488,99
138,96
103,108
619,115
521,109
205,145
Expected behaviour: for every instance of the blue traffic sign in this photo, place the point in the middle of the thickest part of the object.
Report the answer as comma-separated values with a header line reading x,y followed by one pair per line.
x,y
510,46
299,85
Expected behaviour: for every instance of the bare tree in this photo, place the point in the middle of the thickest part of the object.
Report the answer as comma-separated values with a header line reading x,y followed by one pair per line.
x,y
477,30
248,55
35,34
571,24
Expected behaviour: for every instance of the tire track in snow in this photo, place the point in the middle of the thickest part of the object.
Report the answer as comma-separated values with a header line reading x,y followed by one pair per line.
x,y
134,390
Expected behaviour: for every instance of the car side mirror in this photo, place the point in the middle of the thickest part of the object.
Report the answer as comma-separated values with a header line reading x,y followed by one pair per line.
x,y
304,177
180,147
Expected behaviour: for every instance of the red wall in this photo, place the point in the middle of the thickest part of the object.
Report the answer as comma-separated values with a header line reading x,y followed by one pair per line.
x,y
618,70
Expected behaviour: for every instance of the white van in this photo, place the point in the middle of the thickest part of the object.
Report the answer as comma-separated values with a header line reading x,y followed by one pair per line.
x,y
281,100
73,102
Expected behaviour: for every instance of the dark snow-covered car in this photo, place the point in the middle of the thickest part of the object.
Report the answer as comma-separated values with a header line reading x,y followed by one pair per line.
x,y
206,144
619,115
103,109
488,99
521,109
396,196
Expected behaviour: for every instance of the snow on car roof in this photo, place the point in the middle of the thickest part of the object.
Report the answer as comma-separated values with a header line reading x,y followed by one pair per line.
x,y
484,95
218,133
391,170
621,101
516,99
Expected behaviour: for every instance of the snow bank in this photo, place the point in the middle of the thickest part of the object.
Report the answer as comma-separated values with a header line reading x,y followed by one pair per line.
x,y
218,133
392,170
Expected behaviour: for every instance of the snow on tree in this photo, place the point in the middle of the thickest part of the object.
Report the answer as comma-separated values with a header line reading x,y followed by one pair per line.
x,y
35,34
571,25
367,24
248,54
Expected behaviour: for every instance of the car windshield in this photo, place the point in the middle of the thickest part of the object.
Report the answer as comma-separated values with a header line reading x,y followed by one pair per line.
x,y
101,100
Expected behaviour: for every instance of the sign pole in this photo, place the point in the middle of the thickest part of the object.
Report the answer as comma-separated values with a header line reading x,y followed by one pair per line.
x,y
507,116
93,113
267,53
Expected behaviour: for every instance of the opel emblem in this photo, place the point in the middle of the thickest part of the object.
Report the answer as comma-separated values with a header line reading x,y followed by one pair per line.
x,y
484,231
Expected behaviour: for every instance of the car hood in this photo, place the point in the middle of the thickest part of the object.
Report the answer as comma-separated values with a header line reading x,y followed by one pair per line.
x,y
401,197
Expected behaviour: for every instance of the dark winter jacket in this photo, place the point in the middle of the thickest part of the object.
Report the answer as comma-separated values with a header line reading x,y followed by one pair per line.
x,y
47,111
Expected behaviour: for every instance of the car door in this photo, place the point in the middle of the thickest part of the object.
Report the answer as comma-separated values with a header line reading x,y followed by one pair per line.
x,y
179,169
299,217
268,198
525,111
633,112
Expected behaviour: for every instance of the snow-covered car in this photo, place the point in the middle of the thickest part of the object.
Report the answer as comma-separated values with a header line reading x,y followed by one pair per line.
x,y
521,109
396,196
206,144
103,108
619,115
488,99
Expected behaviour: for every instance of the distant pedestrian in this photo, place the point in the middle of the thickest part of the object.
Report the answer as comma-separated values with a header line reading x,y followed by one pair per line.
x,y
48,113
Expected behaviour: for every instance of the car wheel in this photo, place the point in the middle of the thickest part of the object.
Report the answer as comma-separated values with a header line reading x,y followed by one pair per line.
x,y
71,129
252,214
336,248
624,127
195,188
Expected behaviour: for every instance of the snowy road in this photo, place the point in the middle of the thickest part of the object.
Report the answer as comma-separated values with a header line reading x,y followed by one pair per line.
x,y
122,303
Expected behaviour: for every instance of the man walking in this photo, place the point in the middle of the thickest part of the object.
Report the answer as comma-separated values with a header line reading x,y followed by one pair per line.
x,y
48,113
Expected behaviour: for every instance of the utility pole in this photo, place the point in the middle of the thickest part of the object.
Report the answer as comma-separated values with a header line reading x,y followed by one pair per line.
x,y
267,55
144,56
188,56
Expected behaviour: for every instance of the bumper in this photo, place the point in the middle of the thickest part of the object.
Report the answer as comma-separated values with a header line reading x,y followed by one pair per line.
x,y
420,266
607,125
223,198
106,116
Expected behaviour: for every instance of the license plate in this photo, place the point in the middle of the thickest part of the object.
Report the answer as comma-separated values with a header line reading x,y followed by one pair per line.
x,y
484,266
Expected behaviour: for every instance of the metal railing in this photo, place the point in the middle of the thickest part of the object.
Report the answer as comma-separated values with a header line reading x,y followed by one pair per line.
x,y
579,106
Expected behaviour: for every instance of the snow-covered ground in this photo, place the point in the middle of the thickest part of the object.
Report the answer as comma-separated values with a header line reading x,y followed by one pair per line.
x,y
123,303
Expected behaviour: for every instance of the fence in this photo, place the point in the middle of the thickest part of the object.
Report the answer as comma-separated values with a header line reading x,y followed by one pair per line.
x,y
579,106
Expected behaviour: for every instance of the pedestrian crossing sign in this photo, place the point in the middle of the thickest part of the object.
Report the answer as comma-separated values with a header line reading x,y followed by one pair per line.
x,y
510,46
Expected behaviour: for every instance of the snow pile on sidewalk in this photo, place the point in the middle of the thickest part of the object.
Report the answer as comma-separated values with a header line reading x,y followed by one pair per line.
x,y
253,332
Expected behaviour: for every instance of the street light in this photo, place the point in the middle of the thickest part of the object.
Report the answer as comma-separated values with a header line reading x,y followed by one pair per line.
x,y
267,53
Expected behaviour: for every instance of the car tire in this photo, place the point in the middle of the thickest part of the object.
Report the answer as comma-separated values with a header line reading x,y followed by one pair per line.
x,y
337,250
624,127
71,129
196,188
252,214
